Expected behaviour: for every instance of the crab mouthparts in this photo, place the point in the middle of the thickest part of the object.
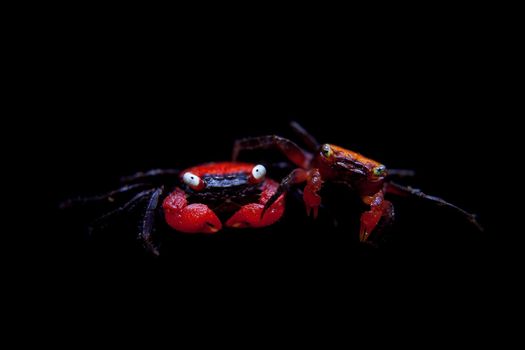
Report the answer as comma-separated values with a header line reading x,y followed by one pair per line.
x,y
351,167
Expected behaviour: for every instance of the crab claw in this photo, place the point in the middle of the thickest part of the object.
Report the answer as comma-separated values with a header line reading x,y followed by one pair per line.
x,y
250,215
260,214
193,218
369,221
379,209
257,214
312,201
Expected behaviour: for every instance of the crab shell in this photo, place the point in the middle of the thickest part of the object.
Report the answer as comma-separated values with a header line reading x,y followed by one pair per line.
x,y
229,193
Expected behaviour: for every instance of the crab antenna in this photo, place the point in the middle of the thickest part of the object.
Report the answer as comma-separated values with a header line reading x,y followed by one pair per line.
x,y
311,143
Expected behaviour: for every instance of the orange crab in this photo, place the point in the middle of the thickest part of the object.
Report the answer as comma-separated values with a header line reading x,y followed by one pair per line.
x,y
330,163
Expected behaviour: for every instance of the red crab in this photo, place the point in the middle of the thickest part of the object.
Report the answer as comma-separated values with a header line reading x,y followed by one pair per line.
x,y
207,197
236,192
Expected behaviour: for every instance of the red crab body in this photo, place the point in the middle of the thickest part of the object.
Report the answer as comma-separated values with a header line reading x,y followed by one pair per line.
x,y
217,194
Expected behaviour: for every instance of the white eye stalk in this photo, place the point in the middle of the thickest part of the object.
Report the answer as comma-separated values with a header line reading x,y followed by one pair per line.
x,y
193,181
258,173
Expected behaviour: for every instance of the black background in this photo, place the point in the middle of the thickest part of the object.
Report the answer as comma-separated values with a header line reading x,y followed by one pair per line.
x,y
112,93
419,115
120,104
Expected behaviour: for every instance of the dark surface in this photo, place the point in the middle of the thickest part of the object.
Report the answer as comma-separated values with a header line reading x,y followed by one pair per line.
x,y
444,154
111,112
427,89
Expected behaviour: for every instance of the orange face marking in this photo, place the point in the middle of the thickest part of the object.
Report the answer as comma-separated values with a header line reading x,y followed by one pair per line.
x,y
342,153
337,163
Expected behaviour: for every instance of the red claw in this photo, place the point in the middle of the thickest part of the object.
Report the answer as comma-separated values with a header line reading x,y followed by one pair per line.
x,y
379,207
369,221
311,197
250,214
312,201
191,218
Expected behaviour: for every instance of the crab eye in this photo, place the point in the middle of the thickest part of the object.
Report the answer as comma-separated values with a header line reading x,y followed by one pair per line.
x,y
326,151
193,181
258,173
379,170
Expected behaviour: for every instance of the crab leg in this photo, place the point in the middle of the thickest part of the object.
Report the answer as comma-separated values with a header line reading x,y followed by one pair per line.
x,y
401,173
151,174
293,152
297,176
403,190
106,196
149,220
132,203
310,141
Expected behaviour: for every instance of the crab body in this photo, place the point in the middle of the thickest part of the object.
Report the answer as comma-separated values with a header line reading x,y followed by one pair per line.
x,y
228,194
330,163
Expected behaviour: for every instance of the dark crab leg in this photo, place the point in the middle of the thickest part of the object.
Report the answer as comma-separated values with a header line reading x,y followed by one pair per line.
x,y
395,188
293,152
151,174
126,207
149,221
401,173
310,141
297,176
311,197
106,196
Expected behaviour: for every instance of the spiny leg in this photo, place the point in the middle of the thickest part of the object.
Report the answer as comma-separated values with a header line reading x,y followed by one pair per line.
x,y
150,174
399,173
279,165
106,196
132,203
293,152
407,190
149,221
311,197
310,141
295,177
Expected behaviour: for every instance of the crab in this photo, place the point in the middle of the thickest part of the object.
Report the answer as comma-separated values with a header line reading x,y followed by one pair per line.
x,y
232,194
369,179
207,197
238,188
